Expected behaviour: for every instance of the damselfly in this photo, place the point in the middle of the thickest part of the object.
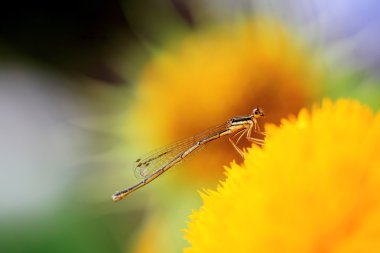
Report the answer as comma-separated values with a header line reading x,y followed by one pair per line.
x,y
154,164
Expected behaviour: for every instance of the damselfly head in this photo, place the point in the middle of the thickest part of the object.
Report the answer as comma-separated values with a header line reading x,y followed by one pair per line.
x,y
257,112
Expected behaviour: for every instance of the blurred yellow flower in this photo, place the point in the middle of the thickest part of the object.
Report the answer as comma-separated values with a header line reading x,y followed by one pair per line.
x,y
314,187
216,74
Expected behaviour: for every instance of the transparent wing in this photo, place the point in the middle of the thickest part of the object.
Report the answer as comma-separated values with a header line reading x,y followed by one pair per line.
x,y
151,162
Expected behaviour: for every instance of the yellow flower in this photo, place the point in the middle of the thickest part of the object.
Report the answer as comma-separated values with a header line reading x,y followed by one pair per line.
x,y
216,74
314,187
212,75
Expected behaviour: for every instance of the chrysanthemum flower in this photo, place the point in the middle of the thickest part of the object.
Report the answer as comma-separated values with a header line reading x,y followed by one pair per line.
x,y
212,75
314,187
216,74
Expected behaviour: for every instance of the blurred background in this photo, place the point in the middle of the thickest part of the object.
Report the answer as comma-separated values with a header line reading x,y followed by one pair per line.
x,y
86,87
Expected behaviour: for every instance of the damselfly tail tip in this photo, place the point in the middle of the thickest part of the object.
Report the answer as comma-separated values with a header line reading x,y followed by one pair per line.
x,y
117,197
